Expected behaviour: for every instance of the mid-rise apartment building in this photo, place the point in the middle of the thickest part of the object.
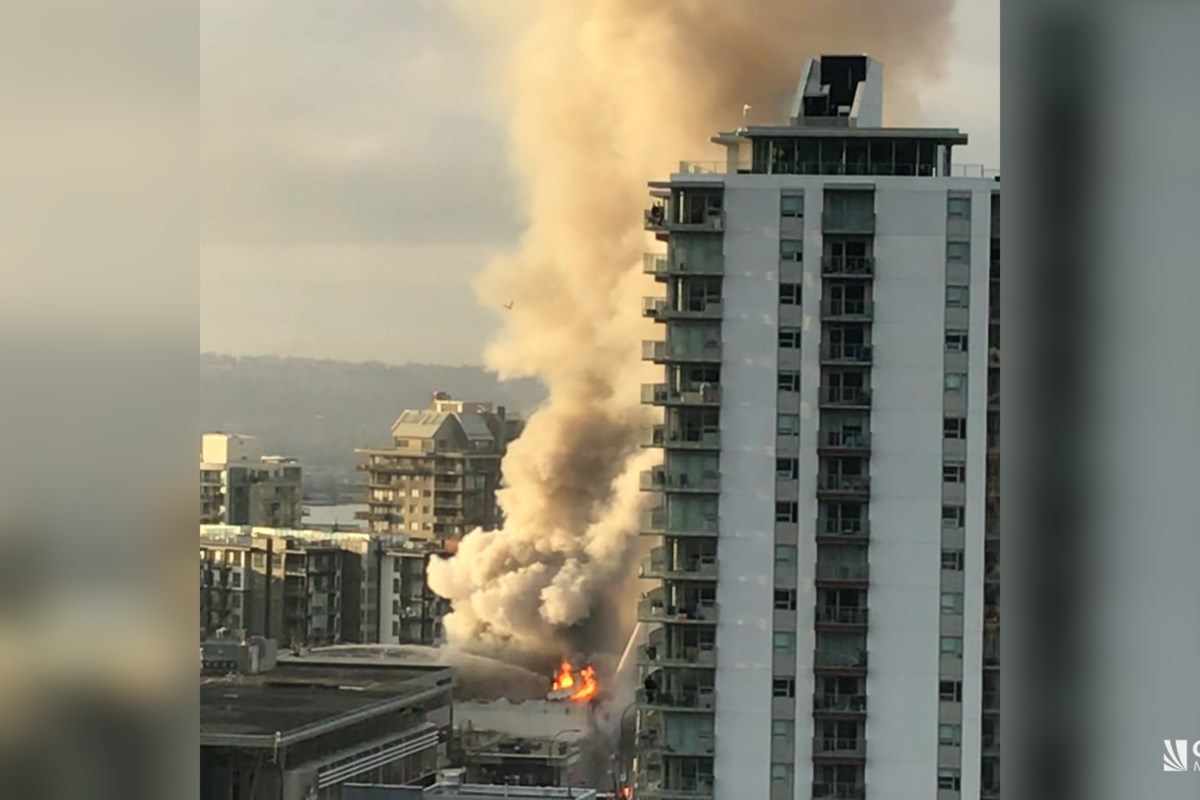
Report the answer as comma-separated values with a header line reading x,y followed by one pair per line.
x,y
824,621
439,479
239,485
314,587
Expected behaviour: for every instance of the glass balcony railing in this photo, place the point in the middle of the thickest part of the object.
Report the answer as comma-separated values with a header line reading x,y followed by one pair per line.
x,y
846,397
841,616
847,309
845,484
651,610
848,266
849,353
662,394
839,791
848,703
842,572
680,439
842,440
659,480
839,746
673,351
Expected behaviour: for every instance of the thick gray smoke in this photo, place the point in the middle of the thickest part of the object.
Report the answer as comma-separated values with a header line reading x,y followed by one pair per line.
x,y
603,96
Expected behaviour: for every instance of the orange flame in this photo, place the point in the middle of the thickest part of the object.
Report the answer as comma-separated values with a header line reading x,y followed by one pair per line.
x,y
586,681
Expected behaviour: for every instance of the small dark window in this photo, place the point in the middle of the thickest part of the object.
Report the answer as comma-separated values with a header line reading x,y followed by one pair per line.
x,y
952,560
955,428
950,691
789,294
785,599
789,338
787,511
783,687
789,381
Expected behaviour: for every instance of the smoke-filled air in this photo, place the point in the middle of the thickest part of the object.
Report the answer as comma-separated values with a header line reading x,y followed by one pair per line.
x,y
603,96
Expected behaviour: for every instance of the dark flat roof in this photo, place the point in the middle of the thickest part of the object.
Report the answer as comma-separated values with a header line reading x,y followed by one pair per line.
x,y
300,699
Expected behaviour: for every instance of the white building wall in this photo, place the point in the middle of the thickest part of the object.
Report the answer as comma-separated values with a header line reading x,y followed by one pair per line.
x,y
747,503
976,488
906,487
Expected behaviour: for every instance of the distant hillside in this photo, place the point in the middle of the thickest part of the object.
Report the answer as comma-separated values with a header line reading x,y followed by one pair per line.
x,y
319,411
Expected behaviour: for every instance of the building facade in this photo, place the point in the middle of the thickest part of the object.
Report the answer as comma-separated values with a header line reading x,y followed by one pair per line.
x,y
304,587
239,485
439,479
826,497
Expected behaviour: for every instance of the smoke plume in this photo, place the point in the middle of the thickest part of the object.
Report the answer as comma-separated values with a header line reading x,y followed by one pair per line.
x,y
603,96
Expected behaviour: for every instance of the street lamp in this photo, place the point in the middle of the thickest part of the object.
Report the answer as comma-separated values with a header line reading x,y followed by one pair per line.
x,y
553,739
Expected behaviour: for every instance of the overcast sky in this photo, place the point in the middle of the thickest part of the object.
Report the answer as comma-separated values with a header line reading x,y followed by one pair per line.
x,y
360,179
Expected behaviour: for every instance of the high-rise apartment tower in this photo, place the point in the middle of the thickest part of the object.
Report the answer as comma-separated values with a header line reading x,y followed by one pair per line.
x,y
824,621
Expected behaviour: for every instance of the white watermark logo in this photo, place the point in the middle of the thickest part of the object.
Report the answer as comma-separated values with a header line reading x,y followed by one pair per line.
x,y
1175,756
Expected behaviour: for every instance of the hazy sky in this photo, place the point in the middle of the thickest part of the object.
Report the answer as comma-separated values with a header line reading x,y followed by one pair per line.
x,y
361,180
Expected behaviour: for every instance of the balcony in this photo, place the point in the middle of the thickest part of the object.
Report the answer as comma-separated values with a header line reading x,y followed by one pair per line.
x,y
675,439
839,791
659,567
656,218
843,442
660,394
835,747
848,486
678,700
991,743
848,267
668,352
850,575
840,662
847,310
840,703
991,701
659,480
831,530
840,353
661,266
841,618
657,308
853,223
654,522
845,397
651,610
666,657
655,264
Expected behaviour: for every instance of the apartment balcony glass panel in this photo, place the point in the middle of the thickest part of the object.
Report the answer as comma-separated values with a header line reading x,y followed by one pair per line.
x,y
841,704
664,352
660,480
660,394
839,747
839,791
848,310
848,267
848,221
846,353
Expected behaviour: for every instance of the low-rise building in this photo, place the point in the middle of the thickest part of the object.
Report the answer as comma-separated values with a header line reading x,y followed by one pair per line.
x,y
300,731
